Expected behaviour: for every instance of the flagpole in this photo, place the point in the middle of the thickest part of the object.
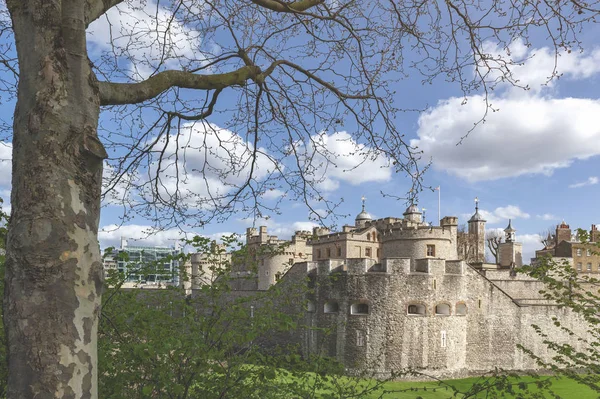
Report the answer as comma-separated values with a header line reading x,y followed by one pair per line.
x,y
439,188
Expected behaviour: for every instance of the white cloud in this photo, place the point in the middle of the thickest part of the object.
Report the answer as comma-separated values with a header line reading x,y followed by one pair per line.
x,y
524,132
332,159
526,136
547,216
534,68
502,214
110,235
145,34
531,243
149,236
202,163
589,182
273,194
283,231
510,212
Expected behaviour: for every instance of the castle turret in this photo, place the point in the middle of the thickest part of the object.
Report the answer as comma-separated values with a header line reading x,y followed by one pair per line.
x,y
563,233
510,232
510,252
477,233
412,214
363,217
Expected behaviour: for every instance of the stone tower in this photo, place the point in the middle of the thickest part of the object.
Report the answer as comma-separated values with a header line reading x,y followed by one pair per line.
x,y
563,233
510,252
477,234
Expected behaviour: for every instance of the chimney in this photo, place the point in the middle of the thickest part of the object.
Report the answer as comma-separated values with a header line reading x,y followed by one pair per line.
x,y
594,234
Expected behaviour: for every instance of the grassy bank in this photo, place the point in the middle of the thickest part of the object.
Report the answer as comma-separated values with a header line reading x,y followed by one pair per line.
x,y
515,387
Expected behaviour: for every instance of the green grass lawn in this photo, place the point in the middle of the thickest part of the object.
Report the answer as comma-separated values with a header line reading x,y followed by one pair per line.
x,y
521,386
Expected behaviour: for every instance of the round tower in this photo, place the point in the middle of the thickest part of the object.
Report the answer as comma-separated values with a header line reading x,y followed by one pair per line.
x,y
477,233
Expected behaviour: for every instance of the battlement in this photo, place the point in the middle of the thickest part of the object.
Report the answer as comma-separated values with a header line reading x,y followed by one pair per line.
x,y
418,232
358,266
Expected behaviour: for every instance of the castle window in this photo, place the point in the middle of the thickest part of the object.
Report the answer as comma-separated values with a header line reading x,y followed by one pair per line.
x,y
579,266
589,252
360,338
378,252
443,339
443,309
339,251
430,250
291,261
329,252
416,309
310,307
359,308
331,307
579,252
368,252
318,253
277,276
374,236
589,267
461,309
368,236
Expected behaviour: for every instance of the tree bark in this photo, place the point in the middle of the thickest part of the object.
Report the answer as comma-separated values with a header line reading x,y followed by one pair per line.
x,y
53,265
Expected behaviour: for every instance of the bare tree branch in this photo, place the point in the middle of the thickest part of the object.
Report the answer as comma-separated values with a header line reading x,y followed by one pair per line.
x,y
94,9
133,93
281,6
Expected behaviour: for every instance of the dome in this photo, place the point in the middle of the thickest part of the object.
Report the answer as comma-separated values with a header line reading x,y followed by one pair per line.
x,y
363,215
412,209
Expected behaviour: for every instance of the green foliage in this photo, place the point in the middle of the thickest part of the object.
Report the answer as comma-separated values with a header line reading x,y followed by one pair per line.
x,y
577,353
162,343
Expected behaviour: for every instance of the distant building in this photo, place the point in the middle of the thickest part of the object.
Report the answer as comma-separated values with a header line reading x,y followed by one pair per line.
x,y
145,266
565,246
392,293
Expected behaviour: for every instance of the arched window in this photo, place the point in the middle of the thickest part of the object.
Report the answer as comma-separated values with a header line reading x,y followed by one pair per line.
x,y
359,308
374,236
416,309
310,307
368,236
461,309
443,309
331,307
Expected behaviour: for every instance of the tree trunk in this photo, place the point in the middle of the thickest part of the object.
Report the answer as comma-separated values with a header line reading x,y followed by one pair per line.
x,y
53,264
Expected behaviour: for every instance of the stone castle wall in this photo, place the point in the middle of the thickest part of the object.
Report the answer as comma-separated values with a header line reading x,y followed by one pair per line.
x,y
448,344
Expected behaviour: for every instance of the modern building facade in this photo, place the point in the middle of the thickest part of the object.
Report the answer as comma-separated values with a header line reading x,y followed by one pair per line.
x,y
146,266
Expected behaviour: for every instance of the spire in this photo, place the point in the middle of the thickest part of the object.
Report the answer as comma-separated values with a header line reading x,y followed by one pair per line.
x,y
363,216
476,216
510,232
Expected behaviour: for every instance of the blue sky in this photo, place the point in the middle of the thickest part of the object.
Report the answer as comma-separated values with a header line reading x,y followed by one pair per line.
x,y
534,160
